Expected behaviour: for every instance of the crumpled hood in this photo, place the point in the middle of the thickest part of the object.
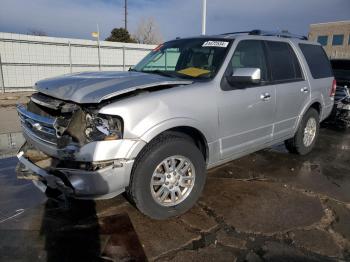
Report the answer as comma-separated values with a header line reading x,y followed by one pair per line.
x,y
94,87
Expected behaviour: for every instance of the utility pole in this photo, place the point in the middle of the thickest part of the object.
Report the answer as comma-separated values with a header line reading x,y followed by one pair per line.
x,y
204,17
126,14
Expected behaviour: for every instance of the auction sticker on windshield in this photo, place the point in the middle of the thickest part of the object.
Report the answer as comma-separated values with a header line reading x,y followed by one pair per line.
x,y
222,44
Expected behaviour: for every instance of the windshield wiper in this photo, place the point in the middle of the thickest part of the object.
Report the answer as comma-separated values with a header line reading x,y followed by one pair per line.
x,y
158,72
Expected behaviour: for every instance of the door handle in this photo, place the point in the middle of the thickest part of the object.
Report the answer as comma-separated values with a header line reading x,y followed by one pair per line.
x,y
265,97
304,90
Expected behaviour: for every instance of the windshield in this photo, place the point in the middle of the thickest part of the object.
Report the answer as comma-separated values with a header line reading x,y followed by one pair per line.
x,y
186,58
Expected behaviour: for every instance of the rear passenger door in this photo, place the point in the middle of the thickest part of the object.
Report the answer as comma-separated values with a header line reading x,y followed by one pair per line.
x,y
292,89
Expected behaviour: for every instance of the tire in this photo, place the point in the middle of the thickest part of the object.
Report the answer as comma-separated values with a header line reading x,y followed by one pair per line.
x,y
143,194
297,145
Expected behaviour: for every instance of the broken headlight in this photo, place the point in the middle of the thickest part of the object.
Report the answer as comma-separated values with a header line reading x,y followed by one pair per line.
x,y
103,127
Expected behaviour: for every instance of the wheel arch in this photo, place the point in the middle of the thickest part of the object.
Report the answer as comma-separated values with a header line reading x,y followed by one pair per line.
x,y
317,105
187,129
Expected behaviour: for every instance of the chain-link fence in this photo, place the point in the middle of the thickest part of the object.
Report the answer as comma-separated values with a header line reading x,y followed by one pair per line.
x,y
25,59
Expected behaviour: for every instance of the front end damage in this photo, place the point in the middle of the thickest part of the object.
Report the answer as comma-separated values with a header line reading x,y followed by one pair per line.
x,y
74,149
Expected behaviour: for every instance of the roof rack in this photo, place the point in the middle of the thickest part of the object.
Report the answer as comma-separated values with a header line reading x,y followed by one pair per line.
x,y
283,33
236,33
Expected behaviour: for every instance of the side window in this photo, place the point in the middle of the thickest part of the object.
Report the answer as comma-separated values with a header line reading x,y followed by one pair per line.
x,y
283,61
317,61
250,54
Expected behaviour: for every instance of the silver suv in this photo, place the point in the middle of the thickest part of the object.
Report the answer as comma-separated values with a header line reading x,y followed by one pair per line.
x,y
190,105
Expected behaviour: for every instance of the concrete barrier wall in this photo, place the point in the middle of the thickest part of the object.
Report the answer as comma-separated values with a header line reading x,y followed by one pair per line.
x,y
25,59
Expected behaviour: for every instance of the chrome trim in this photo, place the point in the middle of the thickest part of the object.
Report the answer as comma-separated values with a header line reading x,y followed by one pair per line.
x,y
40,128
32,134
51,180
42,119
32,167
42,103
37,126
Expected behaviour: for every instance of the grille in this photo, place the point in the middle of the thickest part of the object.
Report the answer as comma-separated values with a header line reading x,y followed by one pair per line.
x,y
40,127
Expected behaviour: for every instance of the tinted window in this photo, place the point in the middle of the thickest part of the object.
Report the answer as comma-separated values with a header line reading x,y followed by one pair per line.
x,y
323,40
250,54
338,40
317,61
349,40
283,61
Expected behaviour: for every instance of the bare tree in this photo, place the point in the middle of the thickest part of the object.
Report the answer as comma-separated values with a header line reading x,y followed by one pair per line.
x,y
37,32
148,32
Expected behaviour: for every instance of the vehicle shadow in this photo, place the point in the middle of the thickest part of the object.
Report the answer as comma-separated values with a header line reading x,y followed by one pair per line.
x,y
71,233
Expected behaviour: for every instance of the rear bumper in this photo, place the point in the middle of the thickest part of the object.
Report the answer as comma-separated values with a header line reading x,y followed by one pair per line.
x,y
104,183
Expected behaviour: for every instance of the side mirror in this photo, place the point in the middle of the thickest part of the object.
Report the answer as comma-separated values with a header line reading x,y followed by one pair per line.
x,y
243,76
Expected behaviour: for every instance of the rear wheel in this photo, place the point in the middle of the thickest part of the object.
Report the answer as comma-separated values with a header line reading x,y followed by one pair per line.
x,y
168,177
305,138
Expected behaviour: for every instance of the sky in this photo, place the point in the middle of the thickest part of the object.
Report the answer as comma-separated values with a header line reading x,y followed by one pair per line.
x,y
176,18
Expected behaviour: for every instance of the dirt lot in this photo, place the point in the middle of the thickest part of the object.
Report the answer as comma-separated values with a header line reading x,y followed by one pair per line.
x,y
269,206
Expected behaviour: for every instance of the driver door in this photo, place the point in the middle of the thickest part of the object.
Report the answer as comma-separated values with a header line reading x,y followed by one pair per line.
x,y
246,113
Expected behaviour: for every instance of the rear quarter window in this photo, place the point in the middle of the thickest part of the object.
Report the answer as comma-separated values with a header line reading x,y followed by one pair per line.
x,y
317,61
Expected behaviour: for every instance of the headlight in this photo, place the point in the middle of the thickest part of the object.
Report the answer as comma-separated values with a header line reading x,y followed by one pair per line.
x,y
103,127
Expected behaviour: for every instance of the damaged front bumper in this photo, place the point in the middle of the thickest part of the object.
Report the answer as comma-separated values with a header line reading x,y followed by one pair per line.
x,y
60,154
106,182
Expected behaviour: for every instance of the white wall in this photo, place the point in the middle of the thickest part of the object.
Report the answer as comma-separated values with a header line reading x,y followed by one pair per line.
x,y
26,59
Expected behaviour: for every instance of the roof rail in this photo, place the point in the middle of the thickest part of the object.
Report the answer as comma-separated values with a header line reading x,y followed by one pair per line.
x,y
236,33
283,33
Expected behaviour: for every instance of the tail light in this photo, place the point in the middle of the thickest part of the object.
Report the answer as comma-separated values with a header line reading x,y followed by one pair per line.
x,y
334,88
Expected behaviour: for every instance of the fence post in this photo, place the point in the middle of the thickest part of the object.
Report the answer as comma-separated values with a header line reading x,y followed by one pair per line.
x,y
2,83
99,55
70,57
124,64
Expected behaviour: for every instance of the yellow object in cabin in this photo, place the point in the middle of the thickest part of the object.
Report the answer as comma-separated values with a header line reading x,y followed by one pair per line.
x,y
193,71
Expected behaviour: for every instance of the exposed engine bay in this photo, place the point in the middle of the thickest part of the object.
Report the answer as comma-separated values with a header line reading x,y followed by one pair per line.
x,y
63,148
67,124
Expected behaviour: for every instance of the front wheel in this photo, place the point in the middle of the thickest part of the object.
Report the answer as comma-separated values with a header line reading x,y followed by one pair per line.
x,y
168,177
305,138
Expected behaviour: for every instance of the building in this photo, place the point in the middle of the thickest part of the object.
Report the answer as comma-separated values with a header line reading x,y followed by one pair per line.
x,y
334,36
